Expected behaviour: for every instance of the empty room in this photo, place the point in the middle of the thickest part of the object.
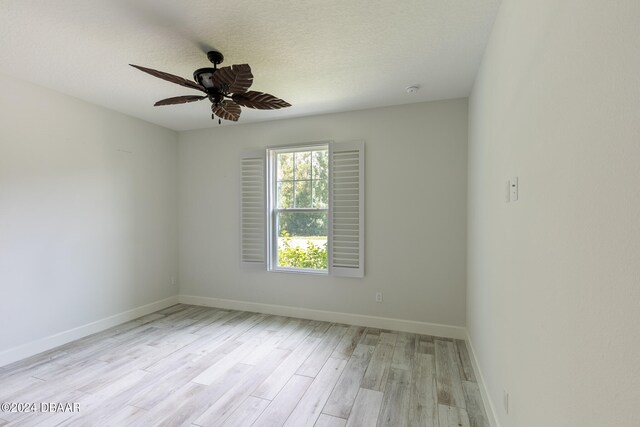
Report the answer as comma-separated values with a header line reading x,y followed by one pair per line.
x,y
320,213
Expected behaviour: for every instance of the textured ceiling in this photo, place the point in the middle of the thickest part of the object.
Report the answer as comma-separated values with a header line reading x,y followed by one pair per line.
x,y
321,56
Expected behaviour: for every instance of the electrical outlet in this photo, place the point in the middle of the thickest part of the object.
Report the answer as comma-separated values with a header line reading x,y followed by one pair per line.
x,y
505,400
173,281
378,296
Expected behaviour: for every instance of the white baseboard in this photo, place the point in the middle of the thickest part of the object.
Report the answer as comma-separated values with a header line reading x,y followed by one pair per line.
x,y
47,343
412,326
488,403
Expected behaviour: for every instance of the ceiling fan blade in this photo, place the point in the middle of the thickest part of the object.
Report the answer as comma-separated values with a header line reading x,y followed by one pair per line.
x,y
259,100
227,110
234,79
180,100
170,78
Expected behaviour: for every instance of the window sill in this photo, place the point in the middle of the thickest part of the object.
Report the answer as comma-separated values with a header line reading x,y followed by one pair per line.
x,y
300,271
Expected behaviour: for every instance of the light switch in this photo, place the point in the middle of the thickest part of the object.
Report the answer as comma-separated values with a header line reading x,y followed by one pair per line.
x,y
513,189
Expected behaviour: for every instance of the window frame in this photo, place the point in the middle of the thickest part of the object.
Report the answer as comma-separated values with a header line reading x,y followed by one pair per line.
x,y
272,206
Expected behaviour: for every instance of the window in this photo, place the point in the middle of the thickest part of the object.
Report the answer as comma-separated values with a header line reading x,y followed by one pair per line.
x,y
302,209
298,208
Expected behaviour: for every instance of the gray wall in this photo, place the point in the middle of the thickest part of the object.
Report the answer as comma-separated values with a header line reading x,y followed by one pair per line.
x,y
415,184
553,279
88,213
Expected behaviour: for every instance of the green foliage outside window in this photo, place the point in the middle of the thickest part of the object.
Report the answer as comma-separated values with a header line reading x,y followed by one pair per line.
x,y
313,256
303,223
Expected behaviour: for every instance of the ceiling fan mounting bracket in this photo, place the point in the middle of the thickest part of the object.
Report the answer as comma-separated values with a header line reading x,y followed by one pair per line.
x,y
215,57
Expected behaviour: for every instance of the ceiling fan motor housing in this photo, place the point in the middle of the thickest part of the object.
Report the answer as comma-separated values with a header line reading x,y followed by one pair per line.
x,y
204,77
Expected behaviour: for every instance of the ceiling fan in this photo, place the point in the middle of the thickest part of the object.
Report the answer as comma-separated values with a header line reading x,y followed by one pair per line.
x,y
226,88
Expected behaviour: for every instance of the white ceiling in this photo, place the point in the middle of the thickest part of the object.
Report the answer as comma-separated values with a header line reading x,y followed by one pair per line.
x,y
320,55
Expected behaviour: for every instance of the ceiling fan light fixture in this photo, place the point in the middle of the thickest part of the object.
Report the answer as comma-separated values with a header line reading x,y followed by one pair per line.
x,y
204,76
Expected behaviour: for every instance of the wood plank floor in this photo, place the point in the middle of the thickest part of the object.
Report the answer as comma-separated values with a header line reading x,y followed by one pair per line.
x,y
189,365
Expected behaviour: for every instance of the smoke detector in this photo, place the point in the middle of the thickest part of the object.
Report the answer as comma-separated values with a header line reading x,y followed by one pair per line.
x,y
412,89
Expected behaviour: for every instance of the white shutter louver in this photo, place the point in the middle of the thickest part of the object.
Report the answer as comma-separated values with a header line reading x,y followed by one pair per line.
x,y
346,249
252,211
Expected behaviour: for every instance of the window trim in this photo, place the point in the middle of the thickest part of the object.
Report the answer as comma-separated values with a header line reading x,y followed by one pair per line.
x,y
271,206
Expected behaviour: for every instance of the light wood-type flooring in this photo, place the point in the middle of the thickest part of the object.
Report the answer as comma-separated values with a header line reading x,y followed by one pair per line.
x,y
189,365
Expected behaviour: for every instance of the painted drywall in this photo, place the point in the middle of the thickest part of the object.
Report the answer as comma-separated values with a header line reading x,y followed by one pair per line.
x,y
88,213
415,182
554,278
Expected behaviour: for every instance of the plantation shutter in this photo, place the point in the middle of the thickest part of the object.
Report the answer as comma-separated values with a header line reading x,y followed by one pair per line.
x,y
346,207
252,210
